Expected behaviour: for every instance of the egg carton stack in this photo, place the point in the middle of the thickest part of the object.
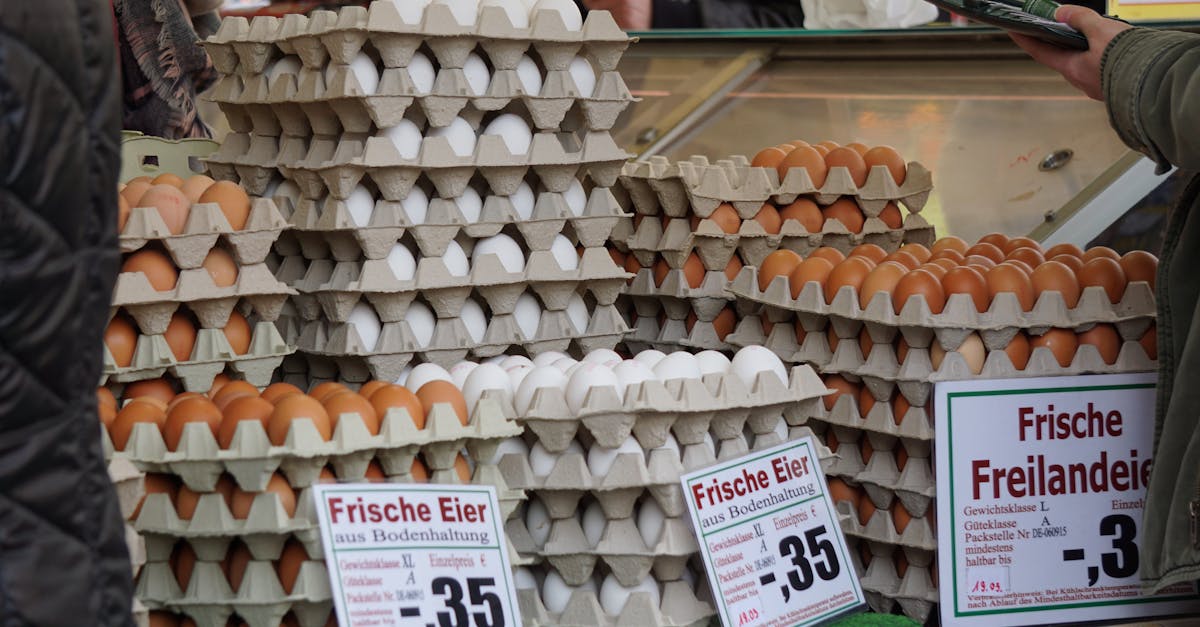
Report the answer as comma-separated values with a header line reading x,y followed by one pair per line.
x,y
269,525
605,536
127,480
255,292
884,365
395,174
685,255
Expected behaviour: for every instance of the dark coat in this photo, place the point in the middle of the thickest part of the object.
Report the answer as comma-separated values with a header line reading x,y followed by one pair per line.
x,y
63,559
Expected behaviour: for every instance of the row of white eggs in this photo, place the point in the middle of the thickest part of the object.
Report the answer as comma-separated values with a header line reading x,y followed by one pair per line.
x,y
422,321
650,520
556,592
511,256
466,12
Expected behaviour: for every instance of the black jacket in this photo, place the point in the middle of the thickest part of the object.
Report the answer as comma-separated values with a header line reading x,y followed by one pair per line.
x,y
63,559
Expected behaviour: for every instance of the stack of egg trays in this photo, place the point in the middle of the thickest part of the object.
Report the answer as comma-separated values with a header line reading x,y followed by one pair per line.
x,y
128,482
676,300
251,461
882,374
718,405
256,291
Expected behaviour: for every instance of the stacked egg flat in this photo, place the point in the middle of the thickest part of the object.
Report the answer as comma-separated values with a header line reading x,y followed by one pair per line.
x,y
884,327
195,297
446,169
706,221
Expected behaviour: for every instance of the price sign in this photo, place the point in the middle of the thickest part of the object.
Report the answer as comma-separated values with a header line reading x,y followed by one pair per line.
x,y
431,555
1041,484
1147,10
770,539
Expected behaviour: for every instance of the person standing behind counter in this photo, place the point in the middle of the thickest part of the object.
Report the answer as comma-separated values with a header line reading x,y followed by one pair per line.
x,y
1149,81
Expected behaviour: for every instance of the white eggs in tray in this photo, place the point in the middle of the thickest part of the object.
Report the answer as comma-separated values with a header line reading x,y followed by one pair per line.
x,y
600,459
422,73
752,360
584,379
416,205
486,377
528,315
360,204
366,322
541,377
514,130
505,248
421,322
477,73
530,76
402,262
424,373
614,596
456,260
474,319
459,134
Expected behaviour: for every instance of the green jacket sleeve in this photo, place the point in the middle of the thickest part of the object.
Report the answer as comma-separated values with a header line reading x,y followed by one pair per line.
x,y
1151,83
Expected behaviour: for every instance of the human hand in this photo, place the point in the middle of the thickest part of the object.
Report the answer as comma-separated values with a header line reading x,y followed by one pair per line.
x,y
1081,68
629,14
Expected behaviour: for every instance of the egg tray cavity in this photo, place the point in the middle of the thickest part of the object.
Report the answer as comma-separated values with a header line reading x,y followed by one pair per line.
x,y
679,607
212,305
673,335
205,226
884,589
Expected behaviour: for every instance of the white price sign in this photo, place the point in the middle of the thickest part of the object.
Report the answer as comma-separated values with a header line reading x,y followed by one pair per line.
x,y
770,539
1041,484
423,555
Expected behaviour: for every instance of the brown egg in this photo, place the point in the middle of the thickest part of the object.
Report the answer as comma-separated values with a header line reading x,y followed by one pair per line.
x,y
1074,263
839,491
234,202
865,343
134,412
985,249
724,323
768,217
832,338
195,187
219,382
123,212
801,334
1100,252
853,272
182,561
972,350
661,269
904,258
232,391
166,178
1064,249
347,402
172,205
1106,340
858,147
943,265
276,391
181,337
980,262
1018,350
1020,265
419,471
900,517
158,389
850,159
187,499
237,559
462,468
733,267
888,157
922,283
866,402
917,250
289,563
120,336
106,404
617,256
181,397
399,397
891,216
1062,343
840,386
952,256
1008,278
133,192
779,263
1140,265
197,409
866,510
950,242
374,473
846,211
883,279
726,218
1020,242
237,409
995,239
1053,276
293,407
221,267
242,501
967,280
237,331
693,271
371,386
865,449
900,407
1106,273
321,391
632,267
821,150
1028,256
806,212
435,392
157,267
808,158
833,255
1149,341
768,158
155,483
828,144
812,269
831,440
871,252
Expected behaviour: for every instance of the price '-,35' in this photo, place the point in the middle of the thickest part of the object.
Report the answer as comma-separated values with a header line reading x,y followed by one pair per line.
x,y
812,558
478,608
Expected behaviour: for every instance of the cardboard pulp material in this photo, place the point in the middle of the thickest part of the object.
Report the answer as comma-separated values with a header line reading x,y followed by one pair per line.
x,y
205,226
673,335
212,527
919,536
884,588
617,493
679,607
211,355
212,305
914,430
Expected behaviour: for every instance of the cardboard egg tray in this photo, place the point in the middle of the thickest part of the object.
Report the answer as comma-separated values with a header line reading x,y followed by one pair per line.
x,y
128,482
679,607
205,226
882,480
260,600
1132,316
673,335
211,355
696,186
884,589
251,459
676,298
919,539
256,285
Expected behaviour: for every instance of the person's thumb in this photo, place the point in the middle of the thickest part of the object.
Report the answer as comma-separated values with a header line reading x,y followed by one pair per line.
x,y
1080,18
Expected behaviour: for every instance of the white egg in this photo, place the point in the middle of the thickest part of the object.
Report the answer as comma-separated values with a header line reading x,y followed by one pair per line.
x,y
402,262
528,315
366,72
542,461
456,260
670,444
421,72
460,134
530,76
677,365
486,377
601,459
416,205
523,200
460,371
284,65
650,357
464,11
614,596
406,137
556,593
605,356
514,130
584,379
403,377
494,360
537,521
712,362
781,429
565,365
424,373
548,358
510,361
516,375
594,522
631,372
411,11
288,189
366,322
688,577
650,519
360,205
272,186
576,198
752,360
506,250
564,253
540,378
710,445
523,577
577,313
474,319
518,15
510,446
584,76
421,322
571,16
478,74
470,204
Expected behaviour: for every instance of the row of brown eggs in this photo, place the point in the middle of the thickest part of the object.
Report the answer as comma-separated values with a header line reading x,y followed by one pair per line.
x,y
163,274
840,491
818,158
173,198
803,210
121,336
